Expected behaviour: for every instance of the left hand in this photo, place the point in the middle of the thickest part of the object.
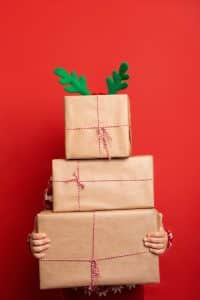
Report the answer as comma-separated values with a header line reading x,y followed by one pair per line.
x,y
156,241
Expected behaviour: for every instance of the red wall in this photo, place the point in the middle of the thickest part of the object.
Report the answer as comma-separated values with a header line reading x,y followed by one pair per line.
x,y
160,40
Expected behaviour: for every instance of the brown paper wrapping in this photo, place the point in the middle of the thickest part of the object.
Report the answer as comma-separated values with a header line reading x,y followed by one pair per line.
x,y
116,233
84,115
103,185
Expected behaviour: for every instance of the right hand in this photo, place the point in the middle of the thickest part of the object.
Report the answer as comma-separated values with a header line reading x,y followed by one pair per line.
x,y
39,243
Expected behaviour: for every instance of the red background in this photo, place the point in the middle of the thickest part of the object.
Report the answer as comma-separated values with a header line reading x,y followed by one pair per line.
x,y
160,40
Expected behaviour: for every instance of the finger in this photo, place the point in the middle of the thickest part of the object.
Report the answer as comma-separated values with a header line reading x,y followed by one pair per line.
x,y
38,249
156,251
154,246
38,235
40,242
38,255
155,239
156,234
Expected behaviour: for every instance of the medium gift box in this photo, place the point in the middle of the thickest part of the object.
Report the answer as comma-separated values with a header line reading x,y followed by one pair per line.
x,y
88,185
98,248
97,126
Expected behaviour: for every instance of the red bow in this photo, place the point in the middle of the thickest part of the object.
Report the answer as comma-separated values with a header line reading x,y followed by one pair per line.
x,y
77,180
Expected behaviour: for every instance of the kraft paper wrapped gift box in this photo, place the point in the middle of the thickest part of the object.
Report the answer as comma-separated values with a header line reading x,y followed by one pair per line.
x,y
98,248
88,185
97,126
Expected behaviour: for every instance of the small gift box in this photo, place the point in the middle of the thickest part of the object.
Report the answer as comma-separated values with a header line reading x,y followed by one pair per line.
x,y
87,185
98,248
97,126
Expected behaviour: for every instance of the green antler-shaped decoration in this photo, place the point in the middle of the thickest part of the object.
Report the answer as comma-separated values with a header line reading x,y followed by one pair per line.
x,y
74,84
116,83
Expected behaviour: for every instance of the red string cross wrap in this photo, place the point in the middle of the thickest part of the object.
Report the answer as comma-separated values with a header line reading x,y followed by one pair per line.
x,y
103,136
94,268
81,183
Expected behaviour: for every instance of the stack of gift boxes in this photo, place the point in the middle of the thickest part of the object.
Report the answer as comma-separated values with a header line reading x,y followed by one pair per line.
x,y
103,201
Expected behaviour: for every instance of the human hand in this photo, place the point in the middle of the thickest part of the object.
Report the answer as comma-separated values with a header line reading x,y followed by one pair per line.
x,y
39,243
156,241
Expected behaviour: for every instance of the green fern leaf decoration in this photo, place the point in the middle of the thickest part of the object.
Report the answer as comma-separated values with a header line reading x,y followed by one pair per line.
x,y
115,83
73,83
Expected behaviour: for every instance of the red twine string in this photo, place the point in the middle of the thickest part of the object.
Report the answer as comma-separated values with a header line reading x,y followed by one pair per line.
x,y
80,186
104,136
93,264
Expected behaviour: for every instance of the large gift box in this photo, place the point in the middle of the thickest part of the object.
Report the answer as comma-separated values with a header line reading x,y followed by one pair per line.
x,y
97,126
103,185
98,248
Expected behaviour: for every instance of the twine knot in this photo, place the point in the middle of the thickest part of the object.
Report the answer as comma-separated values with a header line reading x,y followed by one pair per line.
x,y
94,273
105,138
76,179
94,268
